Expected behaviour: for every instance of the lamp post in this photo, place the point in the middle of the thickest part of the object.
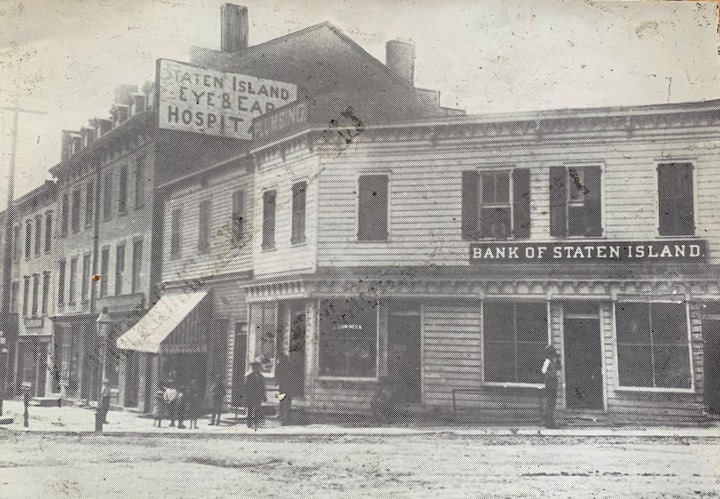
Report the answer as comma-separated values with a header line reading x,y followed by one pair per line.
x,y
103,329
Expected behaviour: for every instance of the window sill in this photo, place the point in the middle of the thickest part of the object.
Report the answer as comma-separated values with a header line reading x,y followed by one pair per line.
x,y
372,241
122,213
650,389
496,384
140,206
678,236
354,379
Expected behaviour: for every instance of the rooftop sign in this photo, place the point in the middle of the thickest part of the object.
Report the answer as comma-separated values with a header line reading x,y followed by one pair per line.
x,y
199,100
682,251
274,123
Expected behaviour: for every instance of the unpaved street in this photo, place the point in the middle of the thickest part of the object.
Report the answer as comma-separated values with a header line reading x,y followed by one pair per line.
x,y
352,466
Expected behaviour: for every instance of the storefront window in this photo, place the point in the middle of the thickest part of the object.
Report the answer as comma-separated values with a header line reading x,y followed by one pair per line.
x,y
653,345
264,322
348,338
514,335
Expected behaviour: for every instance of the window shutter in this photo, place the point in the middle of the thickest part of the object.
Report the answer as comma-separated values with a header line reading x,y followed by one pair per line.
x,y
685,203
675,196
521,202
373,208
558,201
470,205
593,201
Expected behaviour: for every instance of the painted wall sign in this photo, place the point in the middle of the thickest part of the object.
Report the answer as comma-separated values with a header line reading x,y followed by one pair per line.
x,y
589,252
200,100
270,124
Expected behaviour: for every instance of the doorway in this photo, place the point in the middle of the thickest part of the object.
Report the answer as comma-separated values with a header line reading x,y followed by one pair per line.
x,y
583,357
405,352
297,349
711,356
239,364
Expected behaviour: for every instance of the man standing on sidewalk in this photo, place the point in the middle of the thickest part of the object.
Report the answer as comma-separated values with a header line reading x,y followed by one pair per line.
x,y
255,395
171,401
105,400
549,371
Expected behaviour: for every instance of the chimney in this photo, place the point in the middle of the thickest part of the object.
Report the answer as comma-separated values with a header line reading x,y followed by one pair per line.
x,y
137,104
400,59
233,27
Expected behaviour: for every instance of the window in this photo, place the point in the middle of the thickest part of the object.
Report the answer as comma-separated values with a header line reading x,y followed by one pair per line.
x,y
48,231
38,234
298,212
89,204
238,217
136,265
204,226
104,269
119,268
107,196
85,284
26,296
61,281
65,216
514,336
46,292
28,238
576,201
14,289
268,235
675,199
263,317
73,280
122,189
75,216
348,338
16,243
175,233
496,204
653,345
373,208
35,294
140,174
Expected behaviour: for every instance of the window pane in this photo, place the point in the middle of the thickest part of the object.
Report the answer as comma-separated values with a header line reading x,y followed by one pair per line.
x,y
502,187
532,322
669,323
488,188
495,222
530,357
499,362
348,338
268,240
635,365
672,367
498,321
576,185
633,323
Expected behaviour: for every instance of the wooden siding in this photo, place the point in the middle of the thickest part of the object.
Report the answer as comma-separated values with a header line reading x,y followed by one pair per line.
x,y
223,257
280,174
425,193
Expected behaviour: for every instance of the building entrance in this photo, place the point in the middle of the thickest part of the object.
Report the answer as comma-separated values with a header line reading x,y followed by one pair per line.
x,y
711,367
583,361
405,353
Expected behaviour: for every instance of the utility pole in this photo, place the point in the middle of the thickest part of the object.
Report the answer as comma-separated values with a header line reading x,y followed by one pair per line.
x,y
5,324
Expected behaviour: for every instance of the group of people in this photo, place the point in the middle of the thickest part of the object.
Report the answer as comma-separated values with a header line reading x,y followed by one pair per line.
x,y
176,403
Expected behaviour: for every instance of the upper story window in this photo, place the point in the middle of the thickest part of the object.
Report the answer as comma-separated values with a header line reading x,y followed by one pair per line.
x,y
107,196
137,259
85,282
140,180
175,233
653,345
238,217
26,296
48,231
104,268
65,216
496,204
123,189
75,217
72,288
46,292
35,294
204,226
576,201
676,199
298,212
119,268
38,234
89,204
514,335
62,264
373,207
268,226
14,289
28,238
16,243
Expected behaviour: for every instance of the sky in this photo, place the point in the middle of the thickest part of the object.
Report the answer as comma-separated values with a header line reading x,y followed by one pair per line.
x,y
65,57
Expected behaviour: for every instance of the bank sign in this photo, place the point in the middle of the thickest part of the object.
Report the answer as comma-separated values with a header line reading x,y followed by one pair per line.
x,y
589,252
209,102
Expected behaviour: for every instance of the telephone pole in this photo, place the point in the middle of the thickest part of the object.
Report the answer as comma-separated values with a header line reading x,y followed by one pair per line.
x,y
6,324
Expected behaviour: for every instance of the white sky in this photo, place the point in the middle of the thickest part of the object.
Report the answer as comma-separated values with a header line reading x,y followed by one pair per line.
x,y
66,56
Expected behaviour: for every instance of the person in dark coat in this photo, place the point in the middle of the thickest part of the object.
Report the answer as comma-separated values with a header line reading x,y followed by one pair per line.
x,y
159,405
550,374
181,405
218,395
194,404
255,395
286,378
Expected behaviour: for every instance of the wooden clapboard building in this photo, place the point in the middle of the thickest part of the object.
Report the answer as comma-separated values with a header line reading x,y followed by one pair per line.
x,y
445,254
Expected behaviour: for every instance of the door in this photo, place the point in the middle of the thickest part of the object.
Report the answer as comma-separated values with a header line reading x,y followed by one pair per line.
x,y
711,368
42,363
405,353
297,350
583,357
132,378
239,363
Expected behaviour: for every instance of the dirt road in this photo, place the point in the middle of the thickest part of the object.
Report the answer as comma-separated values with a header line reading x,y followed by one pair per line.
x,y
444,465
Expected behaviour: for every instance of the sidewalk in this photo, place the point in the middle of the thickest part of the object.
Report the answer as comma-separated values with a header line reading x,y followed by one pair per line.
x,y
75,420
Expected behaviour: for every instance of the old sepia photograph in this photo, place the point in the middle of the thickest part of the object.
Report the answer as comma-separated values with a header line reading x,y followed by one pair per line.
x,y
358,248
